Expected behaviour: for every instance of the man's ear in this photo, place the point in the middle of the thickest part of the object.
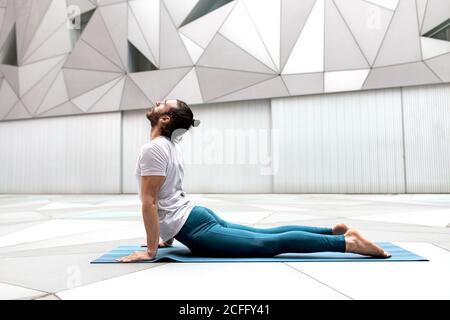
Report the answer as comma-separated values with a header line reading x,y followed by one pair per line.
x,y
165,118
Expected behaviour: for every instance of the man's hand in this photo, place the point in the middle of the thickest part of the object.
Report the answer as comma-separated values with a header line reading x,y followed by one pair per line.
x,y
137,256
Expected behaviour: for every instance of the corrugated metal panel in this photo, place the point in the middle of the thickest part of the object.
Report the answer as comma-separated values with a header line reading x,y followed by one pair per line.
x,y
427,138
230,151
217,154
136,132
76,154
339,143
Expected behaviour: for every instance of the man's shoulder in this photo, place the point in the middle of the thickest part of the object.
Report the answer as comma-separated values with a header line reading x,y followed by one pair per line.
x,y
160,144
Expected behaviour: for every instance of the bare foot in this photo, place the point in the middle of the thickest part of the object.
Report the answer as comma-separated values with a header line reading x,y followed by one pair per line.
x,y
356,243
340,228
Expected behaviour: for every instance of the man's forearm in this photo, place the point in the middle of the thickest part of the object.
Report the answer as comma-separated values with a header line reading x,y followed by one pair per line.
x,y
151,221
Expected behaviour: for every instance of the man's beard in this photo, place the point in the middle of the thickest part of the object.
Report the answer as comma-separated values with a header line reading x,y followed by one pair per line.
x,y
152,117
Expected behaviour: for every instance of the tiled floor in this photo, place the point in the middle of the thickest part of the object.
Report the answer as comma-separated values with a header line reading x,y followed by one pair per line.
x,y
47,242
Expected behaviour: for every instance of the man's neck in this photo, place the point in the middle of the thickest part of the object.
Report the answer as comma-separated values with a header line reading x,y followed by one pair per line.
x,y
155,133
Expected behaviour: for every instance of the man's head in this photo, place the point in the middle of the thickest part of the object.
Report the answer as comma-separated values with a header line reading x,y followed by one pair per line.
x,y
170,116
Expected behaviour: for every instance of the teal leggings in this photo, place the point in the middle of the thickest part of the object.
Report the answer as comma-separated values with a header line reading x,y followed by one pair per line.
x,y
204,233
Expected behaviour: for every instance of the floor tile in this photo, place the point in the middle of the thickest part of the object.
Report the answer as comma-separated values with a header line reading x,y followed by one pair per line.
x,y
57,228
19,217
208,281
388,280
285,217
63,205
433,218
10,292
54,273
130,230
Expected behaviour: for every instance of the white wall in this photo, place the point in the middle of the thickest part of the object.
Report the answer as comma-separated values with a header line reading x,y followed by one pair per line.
x,y
427,138
212,165
230,151
136,132
340,143
76,154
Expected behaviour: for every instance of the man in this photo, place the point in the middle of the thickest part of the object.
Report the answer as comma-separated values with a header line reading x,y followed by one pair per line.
x,y
168,214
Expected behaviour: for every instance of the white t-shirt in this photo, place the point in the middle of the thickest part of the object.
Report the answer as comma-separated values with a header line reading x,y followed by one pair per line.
x,y
162,157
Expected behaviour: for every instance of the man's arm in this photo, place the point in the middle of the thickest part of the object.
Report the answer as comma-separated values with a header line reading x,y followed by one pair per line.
x,y
150,187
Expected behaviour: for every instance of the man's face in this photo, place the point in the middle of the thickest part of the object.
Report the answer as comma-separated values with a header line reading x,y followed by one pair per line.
x,y
159,109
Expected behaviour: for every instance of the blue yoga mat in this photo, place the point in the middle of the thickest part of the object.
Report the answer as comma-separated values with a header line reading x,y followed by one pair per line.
x,y
180,253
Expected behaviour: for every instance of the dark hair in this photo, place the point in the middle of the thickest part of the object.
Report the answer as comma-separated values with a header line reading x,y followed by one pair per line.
x,y
181,118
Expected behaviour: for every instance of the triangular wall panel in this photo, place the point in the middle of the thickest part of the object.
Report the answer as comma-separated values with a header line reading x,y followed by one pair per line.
x,y
26,33
188,89
179,9
67,108
157,84
402,43
115,18
268,89
86,57
434,47
440,67
11,73
367,23
222,53
294,15
55,16
230,81
131,53
341,50
58,43
401,75
18,112
437,12
133,97
111,100
173,52
203,30
8,98
56,95
30,74
33,98
240,29
147,15
97,35
266,15
81,81
308,53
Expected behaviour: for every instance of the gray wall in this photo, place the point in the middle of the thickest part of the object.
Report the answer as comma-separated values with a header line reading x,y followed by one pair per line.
x,y
383,141
258,50
76,154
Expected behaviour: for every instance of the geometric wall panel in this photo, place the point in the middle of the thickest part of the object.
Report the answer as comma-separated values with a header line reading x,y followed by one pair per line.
x,y
345,80
367,22
437,11
402,43
341,50
402,75
293,18
127,54
440,66
240,29
434,47
308,53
